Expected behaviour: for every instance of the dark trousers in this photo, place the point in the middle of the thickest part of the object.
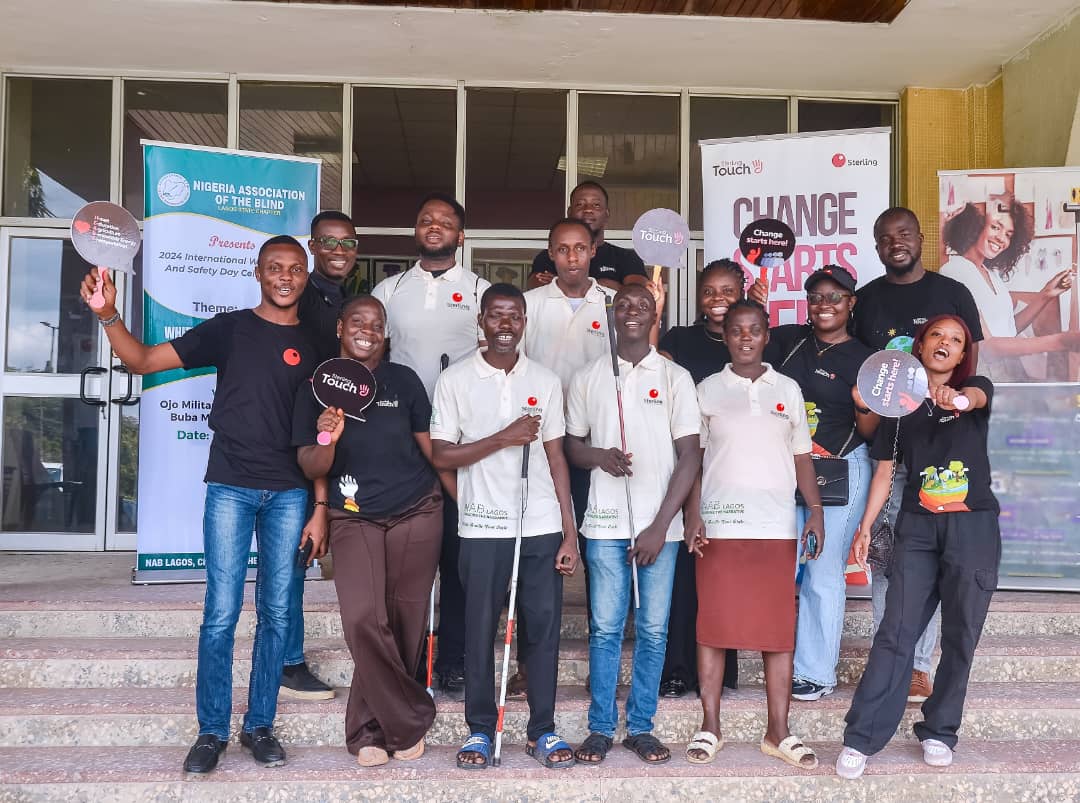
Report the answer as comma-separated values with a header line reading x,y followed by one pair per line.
x,y
680,661
486,564
451,643
579,495
383,572
951,558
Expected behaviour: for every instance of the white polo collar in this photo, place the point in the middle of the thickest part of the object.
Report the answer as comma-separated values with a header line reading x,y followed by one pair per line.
x,y
486,369
451,274
650,362
594,293
732,379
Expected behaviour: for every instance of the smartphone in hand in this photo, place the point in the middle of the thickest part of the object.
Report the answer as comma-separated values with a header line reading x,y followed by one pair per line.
x,y
303,554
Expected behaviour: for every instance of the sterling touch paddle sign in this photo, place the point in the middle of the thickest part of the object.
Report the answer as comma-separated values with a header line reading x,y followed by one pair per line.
x,y
105,235
660,239
345,384
892,383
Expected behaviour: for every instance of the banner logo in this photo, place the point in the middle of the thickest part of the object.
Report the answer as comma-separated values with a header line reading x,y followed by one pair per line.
x,y
173,189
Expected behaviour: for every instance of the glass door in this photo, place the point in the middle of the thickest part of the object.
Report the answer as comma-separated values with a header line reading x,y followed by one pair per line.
x,y
62,400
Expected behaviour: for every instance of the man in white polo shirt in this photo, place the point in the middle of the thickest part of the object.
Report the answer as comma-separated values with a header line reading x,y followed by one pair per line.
x,y
486,409
431,314
662,458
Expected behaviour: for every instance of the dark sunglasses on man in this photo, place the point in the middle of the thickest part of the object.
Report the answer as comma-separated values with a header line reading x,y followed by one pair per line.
x,y
331,243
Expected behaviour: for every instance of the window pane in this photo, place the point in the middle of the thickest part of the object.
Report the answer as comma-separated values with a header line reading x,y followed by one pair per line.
x,y
127,499
297,119
49,328
192,114
630,144
515,158
56,146
404,146
831,115
381,256
509,265
50,465
714,118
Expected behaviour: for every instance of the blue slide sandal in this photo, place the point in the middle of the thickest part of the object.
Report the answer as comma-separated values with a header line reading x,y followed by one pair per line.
x,y
545,746
476,743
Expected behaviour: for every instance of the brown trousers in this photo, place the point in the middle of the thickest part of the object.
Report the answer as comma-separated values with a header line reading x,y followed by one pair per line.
x,y
383,571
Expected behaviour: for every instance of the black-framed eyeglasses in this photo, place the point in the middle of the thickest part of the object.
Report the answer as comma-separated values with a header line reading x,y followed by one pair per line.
x,y
833,297
330,243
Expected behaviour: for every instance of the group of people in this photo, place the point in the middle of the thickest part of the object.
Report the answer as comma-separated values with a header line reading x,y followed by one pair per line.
x,y
506,423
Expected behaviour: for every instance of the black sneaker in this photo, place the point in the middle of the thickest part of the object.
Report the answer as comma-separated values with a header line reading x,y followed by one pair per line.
x,y
298,683
452,681
264,747
673,688
204,754
808,691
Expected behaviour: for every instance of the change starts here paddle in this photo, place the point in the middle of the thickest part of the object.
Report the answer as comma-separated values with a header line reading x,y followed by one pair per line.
x,y
893,383
346,384
105,235
660,239
767,243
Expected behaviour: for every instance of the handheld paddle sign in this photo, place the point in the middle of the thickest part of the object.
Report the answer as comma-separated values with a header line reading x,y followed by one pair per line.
x,y
893,383
345,384
660,239
105,235
767,243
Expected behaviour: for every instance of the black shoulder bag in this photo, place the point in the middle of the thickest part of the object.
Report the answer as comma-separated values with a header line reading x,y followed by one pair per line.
x,y
832,472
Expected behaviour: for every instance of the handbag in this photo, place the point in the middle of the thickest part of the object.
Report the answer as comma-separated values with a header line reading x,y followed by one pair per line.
x,y
832,472
882,538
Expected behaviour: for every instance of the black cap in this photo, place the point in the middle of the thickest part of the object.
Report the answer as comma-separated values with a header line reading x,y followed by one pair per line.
x,y
842,276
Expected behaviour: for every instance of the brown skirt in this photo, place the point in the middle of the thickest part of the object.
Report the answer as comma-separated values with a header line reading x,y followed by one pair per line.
x,y
746,594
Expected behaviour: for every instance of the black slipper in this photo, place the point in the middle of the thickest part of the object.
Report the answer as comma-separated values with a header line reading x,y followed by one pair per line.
x,y
596,744
645,745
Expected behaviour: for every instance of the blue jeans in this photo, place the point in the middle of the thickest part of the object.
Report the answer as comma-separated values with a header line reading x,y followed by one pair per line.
x,y
879,586
823,592
294,635
611,593
229,518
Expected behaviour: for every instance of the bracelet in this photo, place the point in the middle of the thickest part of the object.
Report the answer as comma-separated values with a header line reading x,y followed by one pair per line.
x,y
111,320
821,506
863,410
322,502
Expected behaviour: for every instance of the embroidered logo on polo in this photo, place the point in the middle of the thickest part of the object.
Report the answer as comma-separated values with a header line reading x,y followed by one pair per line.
x,y
457,301
778,411
532,406
594,329
484,517
386,403
606,269
653,397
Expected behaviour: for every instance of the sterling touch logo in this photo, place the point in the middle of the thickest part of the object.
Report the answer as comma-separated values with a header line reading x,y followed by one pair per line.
x,y
738,168
173,189
841,160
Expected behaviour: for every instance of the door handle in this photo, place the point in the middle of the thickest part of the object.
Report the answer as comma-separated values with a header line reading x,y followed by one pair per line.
x,y
93,370
125,400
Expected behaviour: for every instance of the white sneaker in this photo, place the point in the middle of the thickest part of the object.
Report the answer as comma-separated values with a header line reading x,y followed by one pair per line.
x,y
850,763
936,754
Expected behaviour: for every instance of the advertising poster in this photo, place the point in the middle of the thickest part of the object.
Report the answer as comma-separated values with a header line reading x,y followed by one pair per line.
x,y
1010,236
828,187
207,212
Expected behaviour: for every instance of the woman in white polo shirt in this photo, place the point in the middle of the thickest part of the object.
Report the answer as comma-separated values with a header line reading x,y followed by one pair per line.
x,y
756,450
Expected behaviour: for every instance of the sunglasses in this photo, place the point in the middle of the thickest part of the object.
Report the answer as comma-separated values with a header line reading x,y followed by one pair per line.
x,y
330,243
833,297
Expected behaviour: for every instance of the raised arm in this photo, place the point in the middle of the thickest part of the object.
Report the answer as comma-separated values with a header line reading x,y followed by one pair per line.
x,y
138,357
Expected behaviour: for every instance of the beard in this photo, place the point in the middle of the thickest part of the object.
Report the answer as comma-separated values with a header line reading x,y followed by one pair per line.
x,y
905,269
436,253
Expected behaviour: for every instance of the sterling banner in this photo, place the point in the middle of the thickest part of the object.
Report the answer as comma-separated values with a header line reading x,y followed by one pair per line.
x,y
828,187
207,212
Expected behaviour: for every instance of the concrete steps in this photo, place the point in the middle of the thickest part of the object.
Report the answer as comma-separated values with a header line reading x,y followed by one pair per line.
x,y
984,771
162,717
97,704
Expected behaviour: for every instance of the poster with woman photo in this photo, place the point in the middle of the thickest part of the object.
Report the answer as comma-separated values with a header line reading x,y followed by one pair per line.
x,y
1007,236
1011,237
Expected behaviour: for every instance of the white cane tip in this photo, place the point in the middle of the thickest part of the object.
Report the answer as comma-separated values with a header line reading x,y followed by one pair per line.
x,y
961,402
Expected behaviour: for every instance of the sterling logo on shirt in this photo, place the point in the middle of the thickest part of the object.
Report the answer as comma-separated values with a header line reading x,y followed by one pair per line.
x,y
824,373
457,301
595,329
778,411
532,406
386,403
606,269
653,397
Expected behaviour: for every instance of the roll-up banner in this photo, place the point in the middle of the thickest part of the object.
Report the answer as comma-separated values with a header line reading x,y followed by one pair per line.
x,y
828,186
207,212
1011,236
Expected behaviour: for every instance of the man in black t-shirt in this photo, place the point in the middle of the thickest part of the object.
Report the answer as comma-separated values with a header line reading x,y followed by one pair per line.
x,y
891,307
333,247
888,312
612,266
253,484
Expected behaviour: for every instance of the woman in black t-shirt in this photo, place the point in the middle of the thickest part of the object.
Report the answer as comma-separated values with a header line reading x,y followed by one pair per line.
x,y
824,358
701,350
948,547
383,501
